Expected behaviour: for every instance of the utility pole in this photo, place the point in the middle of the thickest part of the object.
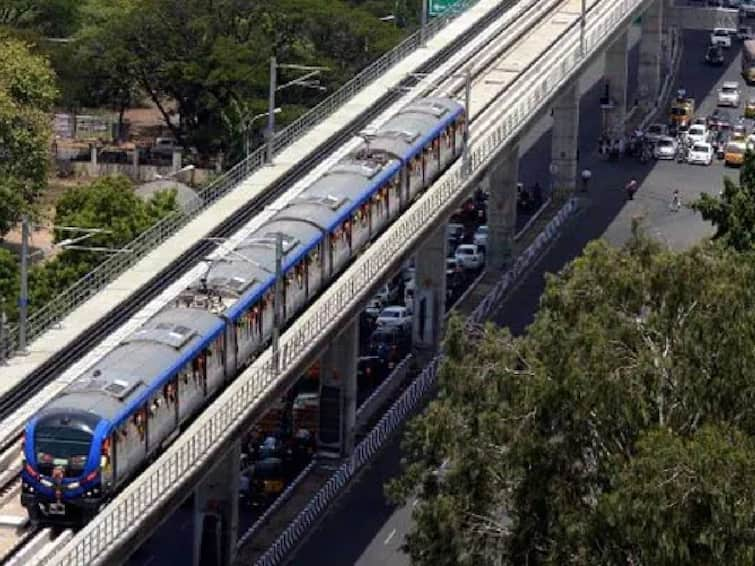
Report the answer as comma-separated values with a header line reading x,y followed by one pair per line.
x,y
271,109
23,300
423,24
277,298
467,102
582,29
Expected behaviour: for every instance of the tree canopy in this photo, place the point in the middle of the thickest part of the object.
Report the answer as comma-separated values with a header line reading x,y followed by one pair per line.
x,y
619,430
27,91
109,203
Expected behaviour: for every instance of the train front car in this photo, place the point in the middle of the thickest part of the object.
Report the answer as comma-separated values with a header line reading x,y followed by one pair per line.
x,y
63,467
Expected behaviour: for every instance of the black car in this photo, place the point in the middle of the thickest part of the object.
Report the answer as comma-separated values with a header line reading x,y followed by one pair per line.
x,y
391,344
714,55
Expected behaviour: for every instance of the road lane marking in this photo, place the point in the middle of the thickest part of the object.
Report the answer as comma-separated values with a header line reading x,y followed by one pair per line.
x,y
390,536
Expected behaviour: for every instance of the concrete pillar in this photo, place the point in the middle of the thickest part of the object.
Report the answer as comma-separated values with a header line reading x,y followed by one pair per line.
x,y
338,393
503,179
565,141
651,55
177,157
93,160
216,512
135,159
430,292
616,80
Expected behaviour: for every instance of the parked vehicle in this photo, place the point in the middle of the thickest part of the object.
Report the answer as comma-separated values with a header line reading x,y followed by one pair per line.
x,y
700,153
470,256
728,94
371,370
387,294
164,147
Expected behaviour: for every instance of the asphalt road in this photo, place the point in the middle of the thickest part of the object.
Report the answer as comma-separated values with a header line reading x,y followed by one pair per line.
x,y
362,528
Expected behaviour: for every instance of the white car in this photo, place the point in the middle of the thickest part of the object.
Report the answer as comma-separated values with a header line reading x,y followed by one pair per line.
x,y
469,256
481,236
721,36
697,133
700,153
728,94
655,132
665,148
395,316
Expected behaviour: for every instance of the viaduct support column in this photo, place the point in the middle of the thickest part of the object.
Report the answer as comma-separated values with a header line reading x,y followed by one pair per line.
x,y
338,393
216,512
430,292
616,86
504,176
651,55
565,144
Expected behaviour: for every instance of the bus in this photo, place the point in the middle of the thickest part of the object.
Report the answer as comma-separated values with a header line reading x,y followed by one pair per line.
x,y
748,60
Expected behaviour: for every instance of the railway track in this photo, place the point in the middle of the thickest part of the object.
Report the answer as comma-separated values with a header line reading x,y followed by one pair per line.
x,y
46,373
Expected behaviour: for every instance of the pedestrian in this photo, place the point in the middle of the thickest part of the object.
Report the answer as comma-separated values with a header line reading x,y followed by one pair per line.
x,y
676,202
631,188
586,176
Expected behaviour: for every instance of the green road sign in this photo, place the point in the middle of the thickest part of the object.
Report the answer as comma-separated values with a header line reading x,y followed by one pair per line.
x,y
438,7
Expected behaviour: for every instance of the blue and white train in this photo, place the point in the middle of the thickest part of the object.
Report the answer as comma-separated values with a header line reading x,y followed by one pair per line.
x,y
102,429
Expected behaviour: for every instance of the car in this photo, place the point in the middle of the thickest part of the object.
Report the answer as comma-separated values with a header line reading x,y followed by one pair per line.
x,y
719,120
395,316
655,131
390,343
469,256
454,234
700,153
739,132
734,154
728,94
665,148
373,308
714,55
750,108
697,133
747,8
481,236
721,36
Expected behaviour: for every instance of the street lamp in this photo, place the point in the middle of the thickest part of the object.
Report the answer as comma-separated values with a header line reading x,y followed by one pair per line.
x,y
68,244
158,177
246,124
305,80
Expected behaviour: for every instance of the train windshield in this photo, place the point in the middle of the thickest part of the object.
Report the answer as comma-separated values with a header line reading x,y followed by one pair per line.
x,y
62,446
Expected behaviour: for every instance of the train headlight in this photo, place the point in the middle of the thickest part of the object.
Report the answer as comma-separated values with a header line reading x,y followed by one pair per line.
x,y
73,485
46,483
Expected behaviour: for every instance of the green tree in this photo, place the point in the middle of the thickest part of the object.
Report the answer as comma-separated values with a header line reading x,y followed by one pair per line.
x,y
27,91
9,282
546,438
733,211
109,203
53,18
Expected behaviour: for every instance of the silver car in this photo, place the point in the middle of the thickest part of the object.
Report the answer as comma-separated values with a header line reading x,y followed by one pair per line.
x,y
665,148
728,94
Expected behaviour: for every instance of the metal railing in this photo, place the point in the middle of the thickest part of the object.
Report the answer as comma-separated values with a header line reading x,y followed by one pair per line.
x,y
65,302
537,86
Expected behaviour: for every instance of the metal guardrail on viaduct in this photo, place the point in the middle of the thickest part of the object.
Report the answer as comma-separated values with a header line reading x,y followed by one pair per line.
x,y
115,525
56,310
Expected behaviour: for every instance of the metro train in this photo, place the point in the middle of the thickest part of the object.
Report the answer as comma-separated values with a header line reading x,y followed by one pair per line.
x,y
102,429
